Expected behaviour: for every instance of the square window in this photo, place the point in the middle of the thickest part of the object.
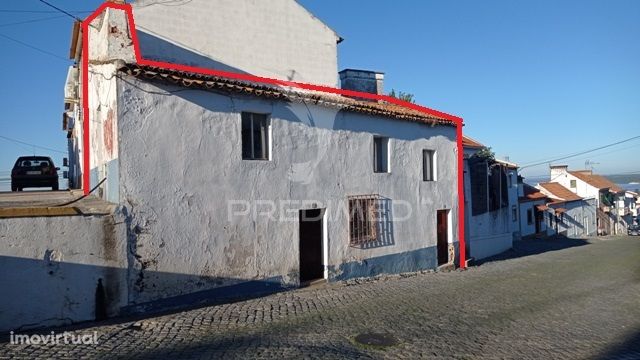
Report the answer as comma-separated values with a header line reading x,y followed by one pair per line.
x,y
573,184
428,165
380,154
255,136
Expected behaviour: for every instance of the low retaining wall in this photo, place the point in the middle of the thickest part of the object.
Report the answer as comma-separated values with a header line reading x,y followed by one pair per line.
x,y
60,270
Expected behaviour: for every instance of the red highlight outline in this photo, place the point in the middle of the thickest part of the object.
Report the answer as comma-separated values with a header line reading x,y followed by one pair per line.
x,y
258,79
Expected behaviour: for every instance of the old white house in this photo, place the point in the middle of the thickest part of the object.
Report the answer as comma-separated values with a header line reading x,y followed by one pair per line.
x,y
532,207
567,213
491,201
232,186
609,197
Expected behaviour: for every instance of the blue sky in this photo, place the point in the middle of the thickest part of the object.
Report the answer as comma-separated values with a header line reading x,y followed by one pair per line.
x,y
533,80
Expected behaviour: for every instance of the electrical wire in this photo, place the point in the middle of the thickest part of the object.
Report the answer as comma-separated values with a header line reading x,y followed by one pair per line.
x,y
34,47
83,196
40,11
60,10
581,153
34,145
32,21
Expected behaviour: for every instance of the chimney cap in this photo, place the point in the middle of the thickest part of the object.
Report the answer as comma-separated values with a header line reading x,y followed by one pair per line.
x,y
558,166
373,74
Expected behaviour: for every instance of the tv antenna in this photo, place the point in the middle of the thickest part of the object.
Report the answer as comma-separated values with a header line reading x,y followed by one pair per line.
x,y
589,164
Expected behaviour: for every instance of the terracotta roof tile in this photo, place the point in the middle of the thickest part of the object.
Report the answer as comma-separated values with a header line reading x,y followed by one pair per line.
x,y
560,191
597,181
531,193
470,143
210,82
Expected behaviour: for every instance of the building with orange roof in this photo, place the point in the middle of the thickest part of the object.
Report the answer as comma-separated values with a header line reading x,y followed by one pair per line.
x,y
612,216
532,205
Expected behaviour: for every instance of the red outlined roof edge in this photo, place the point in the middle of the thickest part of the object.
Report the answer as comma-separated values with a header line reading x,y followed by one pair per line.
x,y
258,79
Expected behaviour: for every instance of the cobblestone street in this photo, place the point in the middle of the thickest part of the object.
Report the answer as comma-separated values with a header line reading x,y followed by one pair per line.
x,y
545,299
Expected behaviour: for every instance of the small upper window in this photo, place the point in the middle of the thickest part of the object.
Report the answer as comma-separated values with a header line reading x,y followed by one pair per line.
x,y
380,154
514,213
255,136
573,184
428,165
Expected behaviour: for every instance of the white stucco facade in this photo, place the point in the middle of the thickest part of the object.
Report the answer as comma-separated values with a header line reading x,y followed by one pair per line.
x,y
275,39
185,185
199,217
578,221
491,232
528,218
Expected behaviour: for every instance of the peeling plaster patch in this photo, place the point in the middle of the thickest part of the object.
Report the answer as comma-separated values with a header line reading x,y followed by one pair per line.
x,y
107,132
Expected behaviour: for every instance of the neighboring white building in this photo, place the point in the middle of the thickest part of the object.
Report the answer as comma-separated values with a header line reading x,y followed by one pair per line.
x,y
609,197
629,210
491,202
568,214
233,186
533,207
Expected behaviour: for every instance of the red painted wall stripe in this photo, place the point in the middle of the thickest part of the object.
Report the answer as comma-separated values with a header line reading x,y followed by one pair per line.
x,y
258,79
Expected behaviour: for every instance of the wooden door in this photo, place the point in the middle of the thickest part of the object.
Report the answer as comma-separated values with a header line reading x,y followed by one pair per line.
x,y
311,266
443,236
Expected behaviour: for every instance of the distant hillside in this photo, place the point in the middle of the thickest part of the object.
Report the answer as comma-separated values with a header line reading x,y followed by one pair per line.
x,y
624,178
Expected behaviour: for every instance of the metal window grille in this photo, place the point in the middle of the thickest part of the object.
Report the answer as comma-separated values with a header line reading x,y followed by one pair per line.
x,y
364,218
255,136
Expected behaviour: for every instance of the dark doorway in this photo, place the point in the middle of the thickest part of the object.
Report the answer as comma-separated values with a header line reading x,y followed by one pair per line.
x,y
443,237
538,216
311,267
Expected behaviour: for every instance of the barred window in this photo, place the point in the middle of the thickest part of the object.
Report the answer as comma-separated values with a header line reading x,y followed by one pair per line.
x,y
255,136
364,218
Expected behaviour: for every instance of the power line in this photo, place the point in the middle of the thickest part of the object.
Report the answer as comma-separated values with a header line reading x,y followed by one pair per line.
x,y
32,21
60,10
34,48
39,11
34,145
581,153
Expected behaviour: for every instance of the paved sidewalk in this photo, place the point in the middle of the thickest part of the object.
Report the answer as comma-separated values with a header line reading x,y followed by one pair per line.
x,y
552,299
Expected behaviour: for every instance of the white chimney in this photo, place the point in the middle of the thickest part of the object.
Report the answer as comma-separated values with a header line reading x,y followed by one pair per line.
x,y
557,171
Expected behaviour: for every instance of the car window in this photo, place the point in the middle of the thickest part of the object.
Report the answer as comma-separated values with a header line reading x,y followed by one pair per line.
x,y
34,163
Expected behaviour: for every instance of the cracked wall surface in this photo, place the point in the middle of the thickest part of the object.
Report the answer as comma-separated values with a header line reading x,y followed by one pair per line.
x,y
181,172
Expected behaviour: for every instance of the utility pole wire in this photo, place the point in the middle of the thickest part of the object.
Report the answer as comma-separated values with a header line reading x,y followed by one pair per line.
x,y
33,47
32,20
581,153
34,145
38,11
60,10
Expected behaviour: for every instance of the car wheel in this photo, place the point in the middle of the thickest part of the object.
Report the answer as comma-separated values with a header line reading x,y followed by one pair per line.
x,y
14,188
55,187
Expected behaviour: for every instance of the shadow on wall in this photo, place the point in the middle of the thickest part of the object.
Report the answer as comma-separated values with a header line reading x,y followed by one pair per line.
x,y
535,246
384,227
154,48
572,221
65,293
